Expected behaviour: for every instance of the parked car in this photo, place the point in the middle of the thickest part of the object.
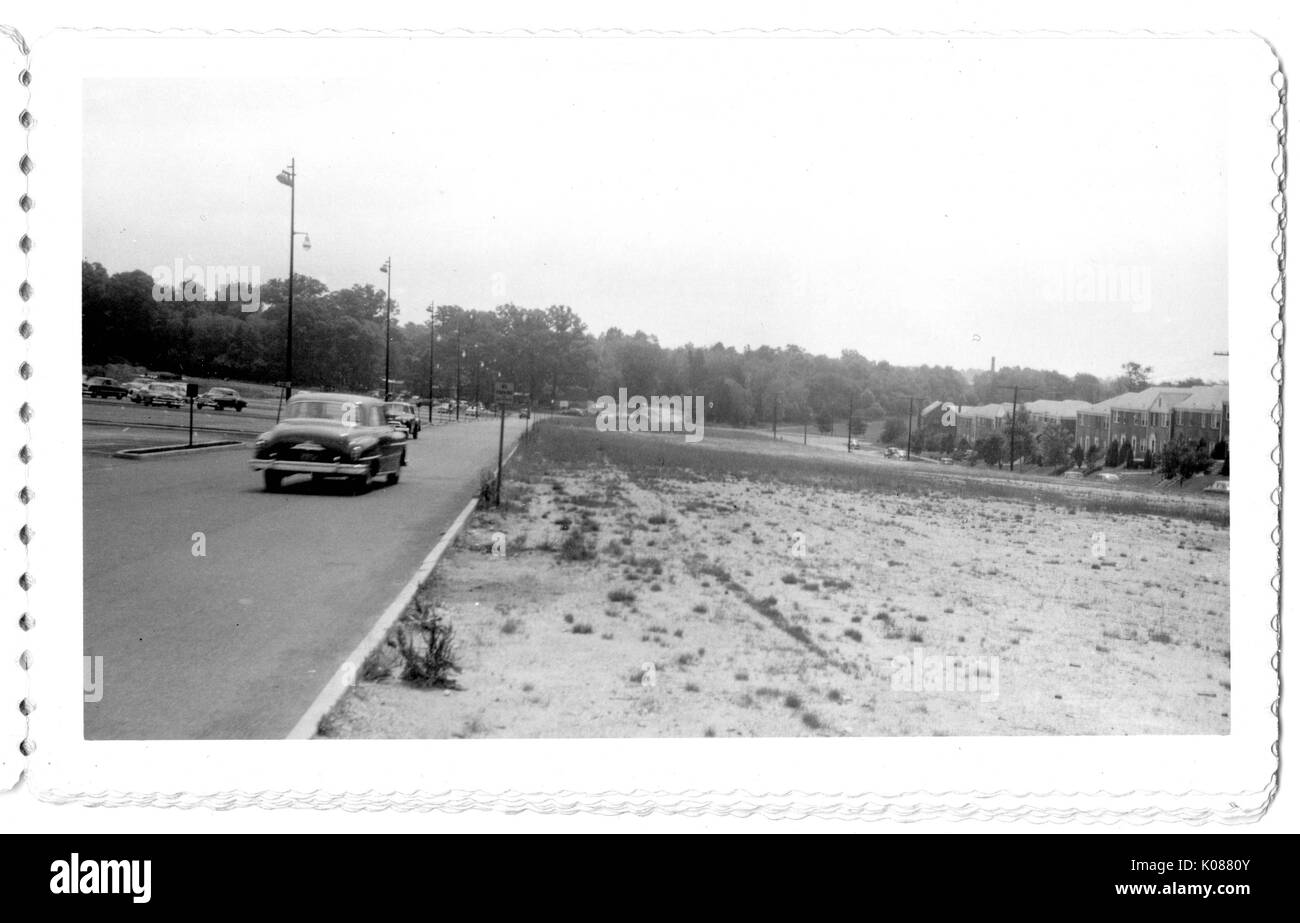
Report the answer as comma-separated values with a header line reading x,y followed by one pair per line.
x,y
162,394
328,435
892,452
404,415
525,414
221,399
135,387
98,386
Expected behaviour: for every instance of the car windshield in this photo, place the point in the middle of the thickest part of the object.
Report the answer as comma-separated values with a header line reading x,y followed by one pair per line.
x,y
397,408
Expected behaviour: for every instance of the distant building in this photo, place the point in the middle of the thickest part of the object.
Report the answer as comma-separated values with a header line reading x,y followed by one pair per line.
x,y
1061,413
1148,420
1202,416
976,422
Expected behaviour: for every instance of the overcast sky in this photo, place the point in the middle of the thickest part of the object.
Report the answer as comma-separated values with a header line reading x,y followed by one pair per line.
x,y
1053,203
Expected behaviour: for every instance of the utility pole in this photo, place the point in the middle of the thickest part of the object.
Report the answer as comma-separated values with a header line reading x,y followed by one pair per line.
x,y
1015,397
910,398
430,369
288,338
775,399
387,269
501,449
459,355
850,427
289,177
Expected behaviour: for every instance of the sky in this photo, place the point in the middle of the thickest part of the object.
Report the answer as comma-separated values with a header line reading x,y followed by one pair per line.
x,y
1053,203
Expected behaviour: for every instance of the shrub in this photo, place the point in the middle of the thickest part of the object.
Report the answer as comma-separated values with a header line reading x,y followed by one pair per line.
x,y
575,547
427,645
1183,460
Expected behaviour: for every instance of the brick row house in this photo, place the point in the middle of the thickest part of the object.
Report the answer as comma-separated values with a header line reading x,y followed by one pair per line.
x,y
976,422
1061,413
1203,416
1146,421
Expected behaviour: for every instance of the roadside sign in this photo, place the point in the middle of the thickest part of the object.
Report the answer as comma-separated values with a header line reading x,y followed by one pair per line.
x,y
504,391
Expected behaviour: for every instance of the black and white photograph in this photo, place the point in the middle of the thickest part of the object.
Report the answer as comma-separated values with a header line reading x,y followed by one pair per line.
x,y
806,423
822,417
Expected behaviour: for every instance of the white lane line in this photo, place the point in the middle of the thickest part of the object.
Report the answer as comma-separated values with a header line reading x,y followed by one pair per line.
x,y
345,675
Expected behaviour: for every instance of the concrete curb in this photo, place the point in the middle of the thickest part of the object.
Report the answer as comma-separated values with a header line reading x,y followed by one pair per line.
x,y
165,450
345,676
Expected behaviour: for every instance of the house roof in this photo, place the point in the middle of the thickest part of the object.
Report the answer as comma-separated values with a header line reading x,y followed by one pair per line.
x,y
1205,397
1066,410
986,411
1101,408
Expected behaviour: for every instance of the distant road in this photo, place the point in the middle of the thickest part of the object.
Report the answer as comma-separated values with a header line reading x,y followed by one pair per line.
x,y
237,644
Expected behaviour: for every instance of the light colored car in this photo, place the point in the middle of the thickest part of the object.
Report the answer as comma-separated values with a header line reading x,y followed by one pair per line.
x,y
163,394
136,386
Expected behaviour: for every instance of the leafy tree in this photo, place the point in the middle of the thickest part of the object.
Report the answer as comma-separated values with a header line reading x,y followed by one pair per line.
x,y
1135,376
894,432
991,448
1112,454
1183,460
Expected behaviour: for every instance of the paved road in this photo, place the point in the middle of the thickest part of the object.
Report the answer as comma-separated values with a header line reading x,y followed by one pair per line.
x,y
237,644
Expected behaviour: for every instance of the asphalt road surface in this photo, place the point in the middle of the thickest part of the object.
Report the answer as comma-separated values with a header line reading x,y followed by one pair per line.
x,y
238,642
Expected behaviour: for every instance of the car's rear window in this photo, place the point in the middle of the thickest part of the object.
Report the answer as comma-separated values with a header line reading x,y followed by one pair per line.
x,y
341,411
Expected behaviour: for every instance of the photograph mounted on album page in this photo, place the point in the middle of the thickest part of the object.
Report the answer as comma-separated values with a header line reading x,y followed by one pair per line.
x,y
796,423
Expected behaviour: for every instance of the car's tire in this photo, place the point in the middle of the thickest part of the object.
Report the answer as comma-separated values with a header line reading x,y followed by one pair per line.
x,y
238,408
272,480
360,483
395,476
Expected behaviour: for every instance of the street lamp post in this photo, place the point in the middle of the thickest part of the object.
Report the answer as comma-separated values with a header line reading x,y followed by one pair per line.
x,y
387,269
431,341
460,354
288,176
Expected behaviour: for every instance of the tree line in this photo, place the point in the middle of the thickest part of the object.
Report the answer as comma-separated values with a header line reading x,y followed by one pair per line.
x,y
548,353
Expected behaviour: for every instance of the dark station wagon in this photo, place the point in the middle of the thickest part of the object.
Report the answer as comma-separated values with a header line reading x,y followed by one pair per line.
x,y
331,436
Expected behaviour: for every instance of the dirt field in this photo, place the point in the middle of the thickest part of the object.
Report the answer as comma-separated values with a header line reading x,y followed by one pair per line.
x,y
638,589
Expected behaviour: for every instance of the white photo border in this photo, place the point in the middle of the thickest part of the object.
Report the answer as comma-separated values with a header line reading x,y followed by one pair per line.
x,y
1185,778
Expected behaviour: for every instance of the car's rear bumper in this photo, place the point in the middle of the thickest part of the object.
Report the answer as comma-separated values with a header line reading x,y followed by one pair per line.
x,y
306,467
